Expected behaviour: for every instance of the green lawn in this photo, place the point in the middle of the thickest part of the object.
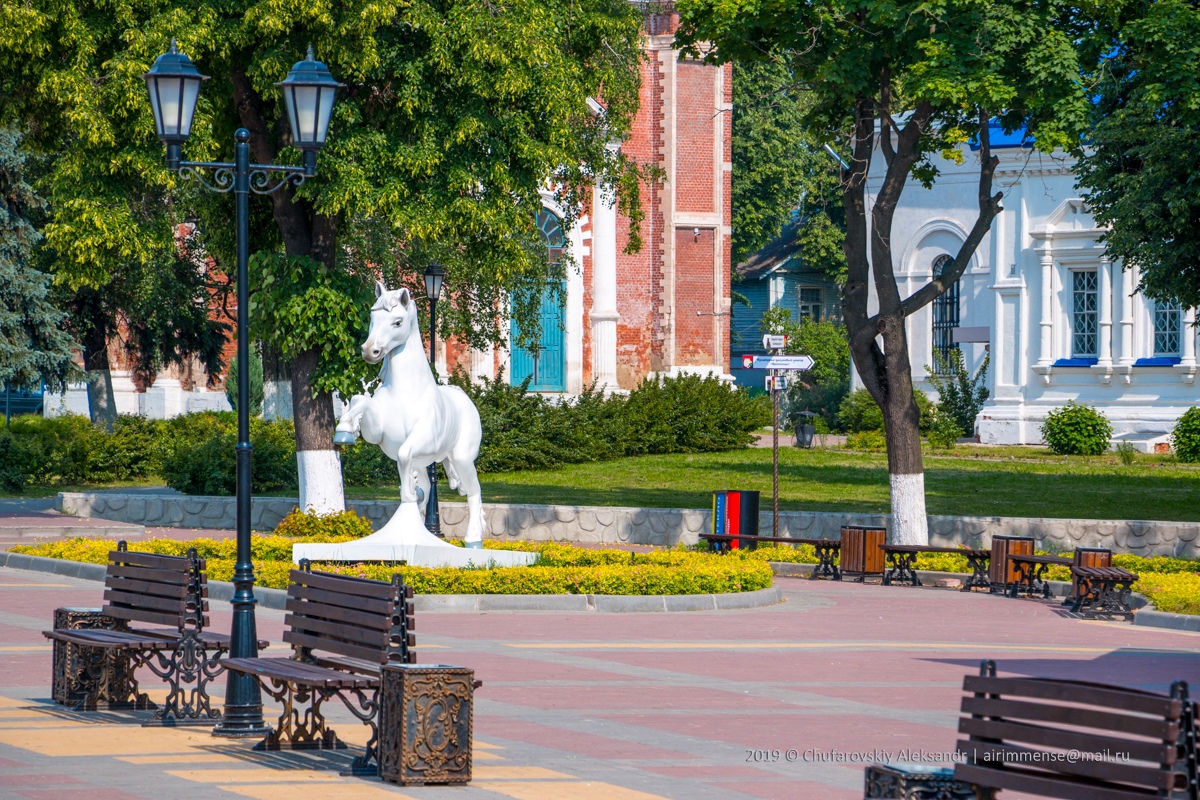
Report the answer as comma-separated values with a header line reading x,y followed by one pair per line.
x,y
1016,482
969,481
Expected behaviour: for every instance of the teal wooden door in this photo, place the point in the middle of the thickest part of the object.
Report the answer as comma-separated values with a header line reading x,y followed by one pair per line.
x,y
545,363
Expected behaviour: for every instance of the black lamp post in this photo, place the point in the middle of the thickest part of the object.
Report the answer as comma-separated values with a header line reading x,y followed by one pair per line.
x,y
308,93
434,275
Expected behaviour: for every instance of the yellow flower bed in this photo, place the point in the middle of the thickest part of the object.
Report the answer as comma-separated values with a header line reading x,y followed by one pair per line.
x,y
561,569
1178,592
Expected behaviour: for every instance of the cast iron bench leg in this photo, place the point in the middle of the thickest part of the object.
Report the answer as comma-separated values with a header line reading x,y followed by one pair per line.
x,y
191,664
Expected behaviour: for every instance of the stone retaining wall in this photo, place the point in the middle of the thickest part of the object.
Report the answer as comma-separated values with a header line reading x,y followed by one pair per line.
x,y
653,526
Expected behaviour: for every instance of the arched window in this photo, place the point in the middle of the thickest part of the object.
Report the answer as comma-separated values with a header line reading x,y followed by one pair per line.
x,y
945,314
551,228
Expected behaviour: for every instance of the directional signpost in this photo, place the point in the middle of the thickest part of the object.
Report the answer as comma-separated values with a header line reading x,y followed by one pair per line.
x,y
776,383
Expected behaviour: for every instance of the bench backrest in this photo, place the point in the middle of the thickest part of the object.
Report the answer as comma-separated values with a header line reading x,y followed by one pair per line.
x,y
357,618
1069,739
159,590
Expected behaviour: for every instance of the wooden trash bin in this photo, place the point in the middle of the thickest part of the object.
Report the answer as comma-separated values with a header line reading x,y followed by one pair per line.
x,y
1088,557
1000,572
862,557
425,724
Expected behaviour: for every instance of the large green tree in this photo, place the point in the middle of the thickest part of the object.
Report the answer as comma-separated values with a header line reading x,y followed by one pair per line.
x,y
907,81
1142,162
457,113
33,346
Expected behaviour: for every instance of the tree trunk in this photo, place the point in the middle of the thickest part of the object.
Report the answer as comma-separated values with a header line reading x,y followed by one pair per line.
x,y
305,233
902,429
277,385
317,462
102,404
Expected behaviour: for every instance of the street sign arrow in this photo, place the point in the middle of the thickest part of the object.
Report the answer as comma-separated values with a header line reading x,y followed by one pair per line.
x,y
783,362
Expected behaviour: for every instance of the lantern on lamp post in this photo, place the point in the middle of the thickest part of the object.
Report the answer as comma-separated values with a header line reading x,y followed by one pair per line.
x,y
308,93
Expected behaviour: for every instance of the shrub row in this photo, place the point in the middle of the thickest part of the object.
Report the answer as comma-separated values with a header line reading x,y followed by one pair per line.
x,y
562,569
688,414
194,453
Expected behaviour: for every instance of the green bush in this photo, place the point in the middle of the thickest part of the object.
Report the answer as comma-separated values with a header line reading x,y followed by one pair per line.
x,y
201,460
365,464
1127,453
859,412
960,396
945,431
1185,439
309,524
674,415
1077,430
871,441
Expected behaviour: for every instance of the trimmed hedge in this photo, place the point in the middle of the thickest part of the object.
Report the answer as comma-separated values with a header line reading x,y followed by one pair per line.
x,y
562,569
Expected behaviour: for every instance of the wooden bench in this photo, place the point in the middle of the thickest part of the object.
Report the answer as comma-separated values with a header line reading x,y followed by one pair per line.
x,y
827,550
1102,592
900,559
1031,573
1075,740
99,663
342,630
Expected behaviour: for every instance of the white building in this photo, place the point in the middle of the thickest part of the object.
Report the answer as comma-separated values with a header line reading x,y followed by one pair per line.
x,y
1062,321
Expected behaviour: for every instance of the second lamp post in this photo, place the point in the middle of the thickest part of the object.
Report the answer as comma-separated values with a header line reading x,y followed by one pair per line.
x,y
434,275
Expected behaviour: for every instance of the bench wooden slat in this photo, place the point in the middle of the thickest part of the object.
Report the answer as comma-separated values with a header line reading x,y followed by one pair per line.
x,y
340,600
1153,727
146,640
1077,692
298,672
138,559
165,576
333,646
1047,784
360,619
135,615
1111,770
132,600
173,590
345,584
1089,742
347,633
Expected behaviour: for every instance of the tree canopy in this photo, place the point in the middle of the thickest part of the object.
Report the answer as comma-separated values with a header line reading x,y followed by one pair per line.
x,y
780,171
912,80
33,346
1139,172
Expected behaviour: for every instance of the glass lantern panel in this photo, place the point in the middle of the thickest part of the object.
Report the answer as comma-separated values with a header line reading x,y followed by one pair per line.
x,y
326,110
170,95
151,89
191,89
305,99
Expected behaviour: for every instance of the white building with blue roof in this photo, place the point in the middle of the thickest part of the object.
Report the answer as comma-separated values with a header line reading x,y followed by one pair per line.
x,y
1060,320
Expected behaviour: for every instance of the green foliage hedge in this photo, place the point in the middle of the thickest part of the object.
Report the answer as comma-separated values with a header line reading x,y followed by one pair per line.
x,y
194,453
561,569
1077,430
688,414
1185,438
860,413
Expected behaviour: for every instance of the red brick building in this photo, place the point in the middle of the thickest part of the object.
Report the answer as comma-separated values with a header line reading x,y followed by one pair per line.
x,y
663,310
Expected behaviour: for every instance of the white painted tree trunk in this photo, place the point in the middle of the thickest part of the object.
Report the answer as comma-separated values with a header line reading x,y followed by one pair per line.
x,y
909,522
320,474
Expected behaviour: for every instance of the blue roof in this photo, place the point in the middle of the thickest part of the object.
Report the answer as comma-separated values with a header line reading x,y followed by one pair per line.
x,y
1000,140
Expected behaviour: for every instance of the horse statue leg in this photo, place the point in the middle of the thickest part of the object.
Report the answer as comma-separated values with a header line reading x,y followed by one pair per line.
x,y
465,479
347,431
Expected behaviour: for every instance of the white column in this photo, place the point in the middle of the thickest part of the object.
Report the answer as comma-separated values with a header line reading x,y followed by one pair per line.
x,y
1046,356
1126,357
481,365
1188,334
1106,317
604,314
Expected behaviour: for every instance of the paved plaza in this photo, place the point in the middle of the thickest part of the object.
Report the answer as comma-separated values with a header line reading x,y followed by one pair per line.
x,y
777,702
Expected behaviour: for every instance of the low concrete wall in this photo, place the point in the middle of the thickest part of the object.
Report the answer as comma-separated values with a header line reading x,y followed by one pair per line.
x,y
653,526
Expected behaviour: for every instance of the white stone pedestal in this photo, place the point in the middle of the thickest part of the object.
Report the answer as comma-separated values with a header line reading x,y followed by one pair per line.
x,y
405,538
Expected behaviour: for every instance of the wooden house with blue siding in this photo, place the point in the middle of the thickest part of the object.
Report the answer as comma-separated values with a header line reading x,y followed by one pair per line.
x,y
776,277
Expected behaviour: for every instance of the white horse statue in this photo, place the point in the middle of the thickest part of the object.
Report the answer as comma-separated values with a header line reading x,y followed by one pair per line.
x,y
417,422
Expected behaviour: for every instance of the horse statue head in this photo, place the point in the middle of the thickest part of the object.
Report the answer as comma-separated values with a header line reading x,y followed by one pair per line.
x,y
393,321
